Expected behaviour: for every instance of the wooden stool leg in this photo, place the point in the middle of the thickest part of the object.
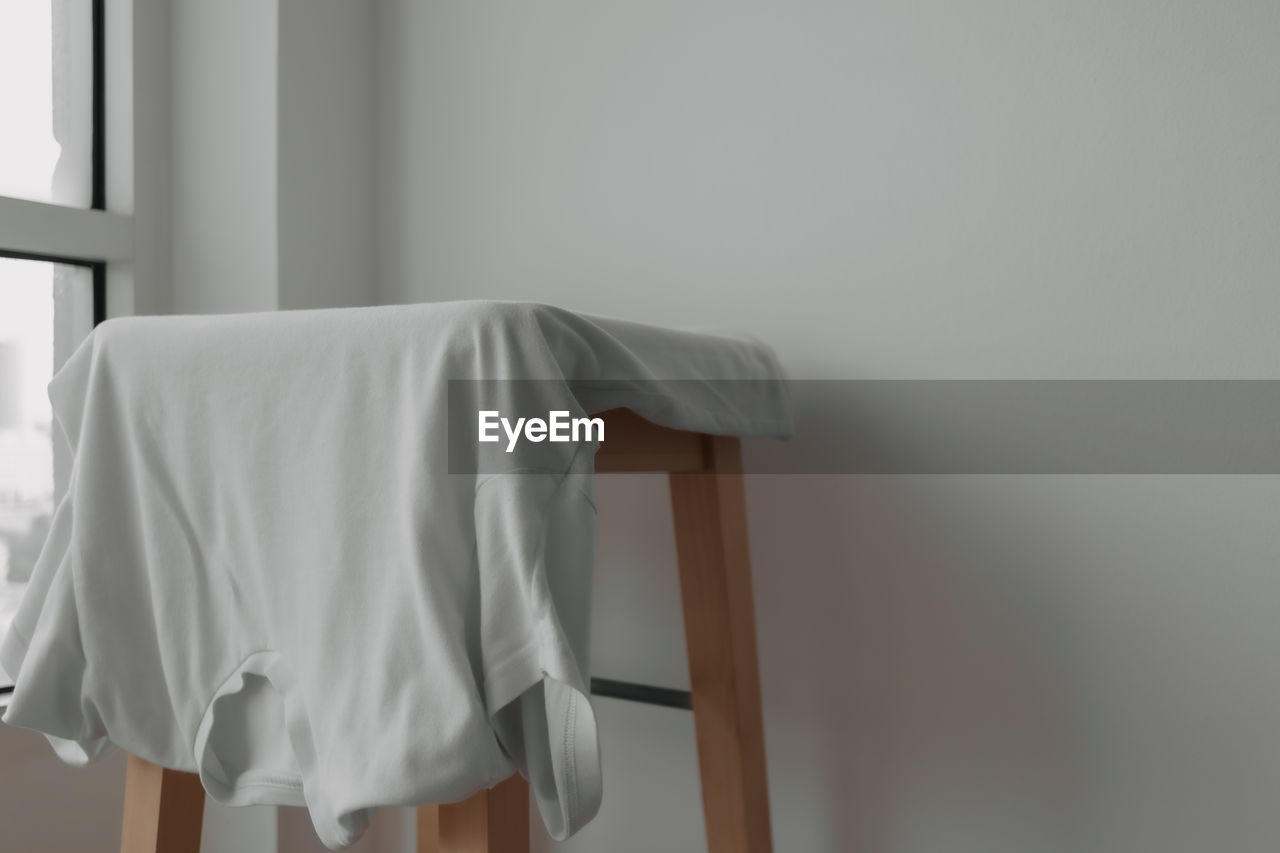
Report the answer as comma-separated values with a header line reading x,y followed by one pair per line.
x,y
492,821
163,809
719,619
428,829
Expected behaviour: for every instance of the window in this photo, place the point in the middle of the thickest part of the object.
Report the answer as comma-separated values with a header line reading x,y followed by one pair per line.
x,y
46,91
56,240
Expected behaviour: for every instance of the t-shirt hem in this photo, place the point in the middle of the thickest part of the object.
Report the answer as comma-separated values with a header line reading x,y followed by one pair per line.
x,y
572,733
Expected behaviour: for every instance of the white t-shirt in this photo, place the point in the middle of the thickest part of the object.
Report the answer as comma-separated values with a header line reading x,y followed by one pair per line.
x,y
285,563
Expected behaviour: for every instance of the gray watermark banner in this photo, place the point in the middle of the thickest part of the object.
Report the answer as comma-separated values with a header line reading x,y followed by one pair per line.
x,y
898,426
1029,427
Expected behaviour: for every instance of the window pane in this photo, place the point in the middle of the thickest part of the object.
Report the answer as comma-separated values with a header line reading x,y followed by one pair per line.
x,y
46,100
46,309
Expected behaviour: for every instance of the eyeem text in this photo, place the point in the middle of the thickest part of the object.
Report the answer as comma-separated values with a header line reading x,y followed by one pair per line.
x,y
557,426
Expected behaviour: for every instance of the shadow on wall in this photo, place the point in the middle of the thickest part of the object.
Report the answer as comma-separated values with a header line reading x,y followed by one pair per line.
x,y
913,671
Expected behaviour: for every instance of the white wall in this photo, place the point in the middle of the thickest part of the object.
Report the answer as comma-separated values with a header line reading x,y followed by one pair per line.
x,y
224,177
273,184
919,190
325,153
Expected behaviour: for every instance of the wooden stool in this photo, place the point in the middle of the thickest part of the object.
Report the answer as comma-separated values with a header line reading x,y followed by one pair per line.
x,y
163,808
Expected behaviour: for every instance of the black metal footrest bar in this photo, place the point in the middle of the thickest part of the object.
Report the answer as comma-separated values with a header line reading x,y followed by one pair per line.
x,y
643,693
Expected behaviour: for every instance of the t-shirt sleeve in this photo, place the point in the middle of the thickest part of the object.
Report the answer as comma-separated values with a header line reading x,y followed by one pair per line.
x,y
535,545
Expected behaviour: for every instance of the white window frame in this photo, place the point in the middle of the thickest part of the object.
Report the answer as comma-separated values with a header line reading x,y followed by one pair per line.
x,y
130,233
